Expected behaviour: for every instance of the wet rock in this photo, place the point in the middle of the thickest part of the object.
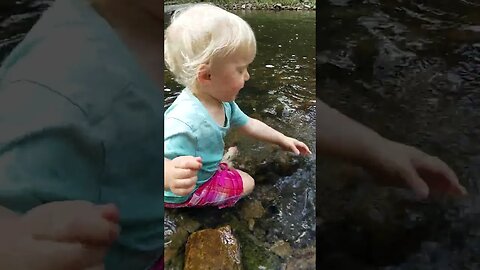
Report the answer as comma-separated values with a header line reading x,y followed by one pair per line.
x,y
255,255
279,163
177,227
252,209
305,105
213,249
279,109
266,194
251,224
282,249
264,162
303,259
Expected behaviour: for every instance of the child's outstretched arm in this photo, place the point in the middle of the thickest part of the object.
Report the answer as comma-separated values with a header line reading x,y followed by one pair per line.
x,y
340,136
181,174
261,131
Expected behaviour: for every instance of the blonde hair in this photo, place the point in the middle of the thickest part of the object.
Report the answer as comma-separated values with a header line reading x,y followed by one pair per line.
x,y
201,33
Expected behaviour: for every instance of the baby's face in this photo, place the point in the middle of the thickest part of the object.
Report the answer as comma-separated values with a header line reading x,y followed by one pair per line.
x,y
228,76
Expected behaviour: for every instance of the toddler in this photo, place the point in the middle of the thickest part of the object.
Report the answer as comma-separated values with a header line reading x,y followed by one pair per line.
x,y
208,50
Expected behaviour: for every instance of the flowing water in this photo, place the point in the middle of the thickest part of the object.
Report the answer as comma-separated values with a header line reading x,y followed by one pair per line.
x,y
409,69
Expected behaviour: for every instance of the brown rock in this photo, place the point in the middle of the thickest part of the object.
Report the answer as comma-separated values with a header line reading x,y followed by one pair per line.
x,y
302,260
252,209
213,249
251,224
177,230
282,249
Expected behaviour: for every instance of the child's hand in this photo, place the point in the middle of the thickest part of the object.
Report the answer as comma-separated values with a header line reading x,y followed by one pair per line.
x,y
295,146
58,235
181,174
408,166
74,221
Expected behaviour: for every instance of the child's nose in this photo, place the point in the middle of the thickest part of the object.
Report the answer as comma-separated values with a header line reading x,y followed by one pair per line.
x,y
247,76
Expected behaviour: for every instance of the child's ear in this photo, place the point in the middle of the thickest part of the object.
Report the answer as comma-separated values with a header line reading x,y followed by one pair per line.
x,y
204,75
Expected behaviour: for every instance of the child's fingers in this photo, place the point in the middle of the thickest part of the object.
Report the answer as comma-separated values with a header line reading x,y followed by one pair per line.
x,y
87,229
188,162
415,182
182,191
55,255
441,176
184,173
302,147
110,212
185,183
73,221
305,150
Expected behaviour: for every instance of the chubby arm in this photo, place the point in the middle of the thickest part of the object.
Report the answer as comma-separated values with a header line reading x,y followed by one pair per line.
x,y
167,171
340,136
6,213
261,131
401,164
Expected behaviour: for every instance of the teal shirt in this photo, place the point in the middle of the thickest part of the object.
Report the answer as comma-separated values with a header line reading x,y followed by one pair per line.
x,y
191,131
80,120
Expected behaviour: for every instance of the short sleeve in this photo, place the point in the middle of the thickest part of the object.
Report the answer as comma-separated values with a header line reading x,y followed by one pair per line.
x,y
238,117
179,139
45,153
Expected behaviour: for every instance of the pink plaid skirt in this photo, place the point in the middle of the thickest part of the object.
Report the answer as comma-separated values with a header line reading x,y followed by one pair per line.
x,y
223,189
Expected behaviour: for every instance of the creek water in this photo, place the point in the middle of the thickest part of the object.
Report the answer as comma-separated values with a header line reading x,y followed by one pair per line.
x,y
410,70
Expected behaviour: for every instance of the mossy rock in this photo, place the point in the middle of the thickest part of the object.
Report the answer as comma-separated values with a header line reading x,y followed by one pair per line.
x,y
254,254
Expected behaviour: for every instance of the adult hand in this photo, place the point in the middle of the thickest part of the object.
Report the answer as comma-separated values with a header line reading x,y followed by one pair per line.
x,y
59,235
181,174
408,166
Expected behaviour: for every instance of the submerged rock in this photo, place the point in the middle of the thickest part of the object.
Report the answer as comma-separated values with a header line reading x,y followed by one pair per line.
x,y
282,249
304,259
255,255
252,209
213,249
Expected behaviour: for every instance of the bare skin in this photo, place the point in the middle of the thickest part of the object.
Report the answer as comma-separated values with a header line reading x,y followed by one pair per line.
x,y
403,165
137,23
59,235
248,181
